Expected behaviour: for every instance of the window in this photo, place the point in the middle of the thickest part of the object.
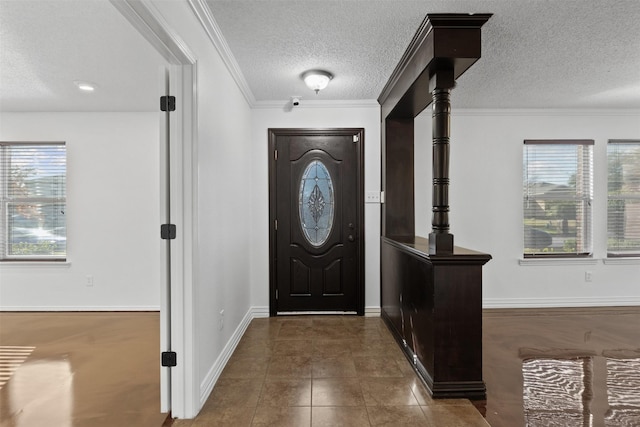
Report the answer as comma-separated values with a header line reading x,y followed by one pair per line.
x,y
623,213
32,201
315,201
558,190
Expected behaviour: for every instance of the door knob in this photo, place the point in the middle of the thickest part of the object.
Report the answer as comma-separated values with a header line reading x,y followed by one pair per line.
x,y
351,238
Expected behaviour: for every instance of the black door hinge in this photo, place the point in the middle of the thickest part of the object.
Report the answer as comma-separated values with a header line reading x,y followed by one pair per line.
x,y
169,359
168,231
167,103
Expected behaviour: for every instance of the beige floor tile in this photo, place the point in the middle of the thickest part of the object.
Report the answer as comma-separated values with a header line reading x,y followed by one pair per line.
x,y
377,367
225,417
246,367
328,321
387,392
295,330
263,328
330,348
337,392
286,392
364,332
292,348
397,416
335,367
236,392
330,332
179,423
254,347
295,416
289,367
339,417
368,347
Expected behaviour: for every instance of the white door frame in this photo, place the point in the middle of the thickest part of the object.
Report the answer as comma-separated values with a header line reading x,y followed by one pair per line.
x,y
184,397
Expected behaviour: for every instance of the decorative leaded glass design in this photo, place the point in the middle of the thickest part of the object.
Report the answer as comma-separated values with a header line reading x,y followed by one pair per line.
x,y
316,203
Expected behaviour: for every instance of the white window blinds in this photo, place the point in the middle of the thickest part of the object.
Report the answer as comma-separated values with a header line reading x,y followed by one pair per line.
x,y
623,210
33,201
558,192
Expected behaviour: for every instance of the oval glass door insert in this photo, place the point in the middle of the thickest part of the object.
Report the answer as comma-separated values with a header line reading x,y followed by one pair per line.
x,y
316,203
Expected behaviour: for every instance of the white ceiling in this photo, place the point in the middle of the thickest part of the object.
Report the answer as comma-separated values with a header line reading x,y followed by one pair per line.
x,y
536,54
46,45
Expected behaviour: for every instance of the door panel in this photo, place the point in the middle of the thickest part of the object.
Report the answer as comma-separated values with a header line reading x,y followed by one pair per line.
x,y
316,187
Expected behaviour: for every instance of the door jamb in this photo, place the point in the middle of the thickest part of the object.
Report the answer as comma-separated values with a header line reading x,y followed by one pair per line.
x,y
146,19
273,134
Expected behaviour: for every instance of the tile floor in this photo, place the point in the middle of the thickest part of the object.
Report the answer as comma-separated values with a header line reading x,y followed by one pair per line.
x,y
324,371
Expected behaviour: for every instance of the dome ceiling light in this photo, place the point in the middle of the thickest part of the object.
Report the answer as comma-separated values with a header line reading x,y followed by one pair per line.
x,y
316,80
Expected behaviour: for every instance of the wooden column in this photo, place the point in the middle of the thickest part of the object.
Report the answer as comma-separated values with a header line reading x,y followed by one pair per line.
x,y
440,239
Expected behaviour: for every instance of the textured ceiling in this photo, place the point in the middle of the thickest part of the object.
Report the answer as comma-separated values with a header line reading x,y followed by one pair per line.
x,y
46,45
536,53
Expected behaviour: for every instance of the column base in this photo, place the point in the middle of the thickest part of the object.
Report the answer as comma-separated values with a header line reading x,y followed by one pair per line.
x,y
440,243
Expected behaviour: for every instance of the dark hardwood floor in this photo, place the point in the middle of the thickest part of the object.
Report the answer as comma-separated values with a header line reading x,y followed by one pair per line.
x,y
562,367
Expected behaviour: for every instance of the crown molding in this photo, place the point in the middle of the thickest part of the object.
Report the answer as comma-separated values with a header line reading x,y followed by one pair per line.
x,y
304,104
547,112
210,26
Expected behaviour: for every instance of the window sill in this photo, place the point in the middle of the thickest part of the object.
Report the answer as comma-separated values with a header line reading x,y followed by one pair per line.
x,y
622,260
557,261
35,264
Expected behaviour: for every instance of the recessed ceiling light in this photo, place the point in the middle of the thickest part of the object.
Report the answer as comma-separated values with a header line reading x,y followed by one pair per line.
x,y
85,86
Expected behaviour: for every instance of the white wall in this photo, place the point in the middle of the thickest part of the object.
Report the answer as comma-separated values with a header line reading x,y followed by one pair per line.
x,y
331,115
112,214
486,204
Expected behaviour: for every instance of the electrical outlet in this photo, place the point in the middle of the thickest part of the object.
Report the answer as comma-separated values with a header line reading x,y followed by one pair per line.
x,y
89,280
221,320
588,276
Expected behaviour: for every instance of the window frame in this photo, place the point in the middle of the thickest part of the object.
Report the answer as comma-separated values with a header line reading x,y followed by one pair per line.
x,y
633,196
587,200
6,200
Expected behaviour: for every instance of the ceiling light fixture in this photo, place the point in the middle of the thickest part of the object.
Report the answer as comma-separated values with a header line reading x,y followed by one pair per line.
x,y
85,86
316,79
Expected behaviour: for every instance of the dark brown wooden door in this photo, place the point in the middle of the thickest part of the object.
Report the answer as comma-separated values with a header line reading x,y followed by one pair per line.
x,y
317,200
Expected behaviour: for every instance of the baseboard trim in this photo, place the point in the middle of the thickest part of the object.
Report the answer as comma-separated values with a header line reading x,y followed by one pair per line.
x,y
560,302
206,387
372,311
79,308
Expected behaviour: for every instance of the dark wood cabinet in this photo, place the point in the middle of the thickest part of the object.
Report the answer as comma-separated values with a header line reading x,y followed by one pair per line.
x,y
433,306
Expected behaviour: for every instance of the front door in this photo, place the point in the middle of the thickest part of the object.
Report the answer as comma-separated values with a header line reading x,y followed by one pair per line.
x,y
316,203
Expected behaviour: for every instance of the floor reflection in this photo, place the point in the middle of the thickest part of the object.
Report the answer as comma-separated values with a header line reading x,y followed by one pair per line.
x,y
557,392
82,370
623,385
562,367
11,357
51,382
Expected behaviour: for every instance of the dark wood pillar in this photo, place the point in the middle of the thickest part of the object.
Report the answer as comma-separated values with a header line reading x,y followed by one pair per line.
x,y
440,239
